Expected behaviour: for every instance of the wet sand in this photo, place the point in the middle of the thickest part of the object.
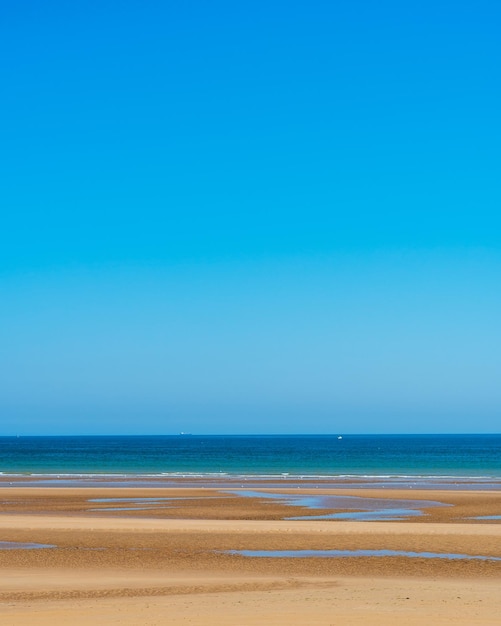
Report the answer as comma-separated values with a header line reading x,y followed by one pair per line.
x,y
170,565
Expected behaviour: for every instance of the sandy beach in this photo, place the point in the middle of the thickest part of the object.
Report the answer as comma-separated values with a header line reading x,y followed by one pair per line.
x,y
164,556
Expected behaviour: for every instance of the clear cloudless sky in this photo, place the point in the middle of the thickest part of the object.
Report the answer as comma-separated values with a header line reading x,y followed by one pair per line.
x,y
250,217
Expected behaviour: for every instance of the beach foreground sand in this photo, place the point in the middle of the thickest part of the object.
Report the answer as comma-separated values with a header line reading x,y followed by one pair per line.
x,y
171,565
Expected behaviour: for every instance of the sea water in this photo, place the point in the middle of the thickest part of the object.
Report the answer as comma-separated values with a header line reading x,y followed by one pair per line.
x,y
380,457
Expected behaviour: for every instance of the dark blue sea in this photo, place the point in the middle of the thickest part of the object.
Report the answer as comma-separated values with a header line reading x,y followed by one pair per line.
x,y
377,456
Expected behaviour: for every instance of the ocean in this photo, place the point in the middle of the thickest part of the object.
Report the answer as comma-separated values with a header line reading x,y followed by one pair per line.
x,y
475,457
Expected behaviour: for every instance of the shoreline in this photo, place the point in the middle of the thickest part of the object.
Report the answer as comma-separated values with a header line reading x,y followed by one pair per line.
x,y
218,480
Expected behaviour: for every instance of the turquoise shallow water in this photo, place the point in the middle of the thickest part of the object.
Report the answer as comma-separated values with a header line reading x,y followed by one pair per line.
x,y
458,456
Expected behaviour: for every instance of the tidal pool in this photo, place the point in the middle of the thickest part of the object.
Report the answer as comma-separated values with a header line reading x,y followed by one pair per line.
x,y
110,500
16,545
302,554
138,504
355,508
130,508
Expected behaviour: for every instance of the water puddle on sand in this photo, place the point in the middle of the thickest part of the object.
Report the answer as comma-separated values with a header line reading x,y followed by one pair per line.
x,y
303,554
362,509
15,545
138,500
354,508
487,517
131,508
135,504
385,515
110,500
139,504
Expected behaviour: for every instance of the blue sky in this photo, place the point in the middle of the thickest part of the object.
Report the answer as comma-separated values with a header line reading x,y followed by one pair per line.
x,y
265,217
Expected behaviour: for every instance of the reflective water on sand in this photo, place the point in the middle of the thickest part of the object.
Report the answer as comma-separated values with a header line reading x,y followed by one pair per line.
x,y
139,504
130,508
15,545
354,508
358,553
110,500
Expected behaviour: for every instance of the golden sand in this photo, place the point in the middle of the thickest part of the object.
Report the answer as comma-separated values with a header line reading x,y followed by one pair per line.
x,y
171,566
